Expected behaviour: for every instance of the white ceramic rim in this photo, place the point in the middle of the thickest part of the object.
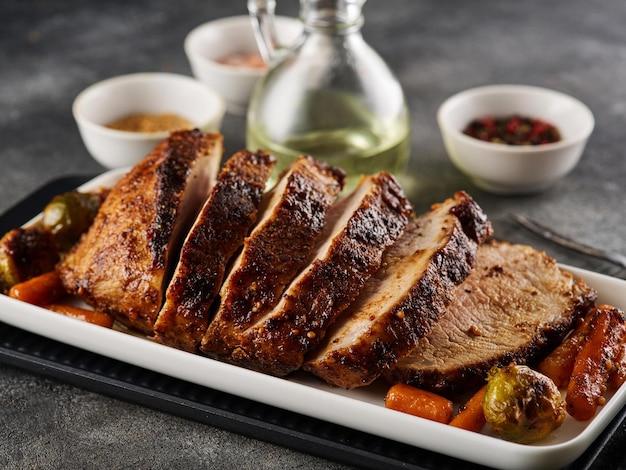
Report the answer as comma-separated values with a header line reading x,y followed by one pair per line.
x,y
139,77
361,408
194,37
520,90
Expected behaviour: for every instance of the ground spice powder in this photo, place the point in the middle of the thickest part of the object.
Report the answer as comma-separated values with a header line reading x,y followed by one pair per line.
x,y
252,60
144,122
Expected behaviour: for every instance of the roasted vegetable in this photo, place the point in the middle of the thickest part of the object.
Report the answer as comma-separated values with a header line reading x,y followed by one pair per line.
x,y
90,316
417,402
25,253
595,362
618,376
68,215
558,365
522,405
471,415
39,290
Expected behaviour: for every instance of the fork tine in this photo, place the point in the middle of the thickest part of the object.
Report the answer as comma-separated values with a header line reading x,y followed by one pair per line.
x,y
549,234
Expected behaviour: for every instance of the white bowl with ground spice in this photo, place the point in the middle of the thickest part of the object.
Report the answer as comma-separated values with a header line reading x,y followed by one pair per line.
x,y
123,118
224,55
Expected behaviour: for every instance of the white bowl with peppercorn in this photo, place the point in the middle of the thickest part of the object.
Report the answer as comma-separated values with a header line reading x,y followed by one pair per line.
x,y
224,54
514,139
123,118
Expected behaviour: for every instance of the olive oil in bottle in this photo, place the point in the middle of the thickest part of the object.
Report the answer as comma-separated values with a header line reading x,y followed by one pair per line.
x,y
357,150
329,95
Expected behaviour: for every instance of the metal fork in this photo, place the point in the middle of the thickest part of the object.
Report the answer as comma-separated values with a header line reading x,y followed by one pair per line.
x,y
549,234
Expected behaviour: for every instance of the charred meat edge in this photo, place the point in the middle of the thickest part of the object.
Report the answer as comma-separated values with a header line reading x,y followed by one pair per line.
x,y
403,299
120,265
456,378
219,230
278,247
362,225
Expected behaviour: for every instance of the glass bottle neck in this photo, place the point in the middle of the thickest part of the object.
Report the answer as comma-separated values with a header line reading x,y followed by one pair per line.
x,y
332,16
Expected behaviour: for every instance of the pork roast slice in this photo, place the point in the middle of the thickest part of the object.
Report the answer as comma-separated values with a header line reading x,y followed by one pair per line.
x,y
219,230
120,264
516,305
360,228
278,247
403,299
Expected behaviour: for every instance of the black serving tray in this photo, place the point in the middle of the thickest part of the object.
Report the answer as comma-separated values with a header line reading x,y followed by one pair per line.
x,y
52,359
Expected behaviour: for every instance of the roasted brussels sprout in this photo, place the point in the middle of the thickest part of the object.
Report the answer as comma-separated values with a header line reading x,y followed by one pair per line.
x,y
29,251
522,405
24,253
68,215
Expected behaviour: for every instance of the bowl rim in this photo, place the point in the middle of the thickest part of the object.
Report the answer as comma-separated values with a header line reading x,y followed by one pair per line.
x,y
80,117
195,34
517,89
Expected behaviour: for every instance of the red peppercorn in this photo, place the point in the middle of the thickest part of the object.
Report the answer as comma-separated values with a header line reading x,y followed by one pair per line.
x,y
513,130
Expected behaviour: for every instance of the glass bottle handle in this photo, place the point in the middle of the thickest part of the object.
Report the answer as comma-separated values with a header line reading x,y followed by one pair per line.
x,y
262,16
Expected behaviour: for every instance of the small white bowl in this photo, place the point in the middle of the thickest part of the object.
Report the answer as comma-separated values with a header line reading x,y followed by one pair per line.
x,y
514,169
151,93
211,42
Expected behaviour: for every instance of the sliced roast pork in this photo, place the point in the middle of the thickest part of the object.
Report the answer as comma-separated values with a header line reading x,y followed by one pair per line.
x,y
516,305
360,228
405,297
120,264
219,230
278,247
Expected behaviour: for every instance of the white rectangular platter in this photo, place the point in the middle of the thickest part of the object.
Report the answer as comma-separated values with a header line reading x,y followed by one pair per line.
x,y
361,409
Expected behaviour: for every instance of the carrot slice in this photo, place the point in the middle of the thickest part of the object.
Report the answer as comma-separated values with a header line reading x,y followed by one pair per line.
x,y
471,415
39,290
418,402
90,316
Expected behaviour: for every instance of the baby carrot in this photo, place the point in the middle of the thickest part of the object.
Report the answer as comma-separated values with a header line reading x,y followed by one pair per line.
x,y
471,415
90,316
594,362
39,290
558,365
418,402
618,375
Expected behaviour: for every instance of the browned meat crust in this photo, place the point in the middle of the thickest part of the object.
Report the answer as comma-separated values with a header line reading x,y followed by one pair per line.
x,y
371,219
516,305
278,247
219,230
403,299
120,264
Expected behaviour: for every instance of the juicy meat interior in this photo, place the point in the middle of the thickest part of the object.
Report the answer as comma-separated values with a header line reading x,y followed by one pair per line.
x,y
405,297
516,305
278,247
359,229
